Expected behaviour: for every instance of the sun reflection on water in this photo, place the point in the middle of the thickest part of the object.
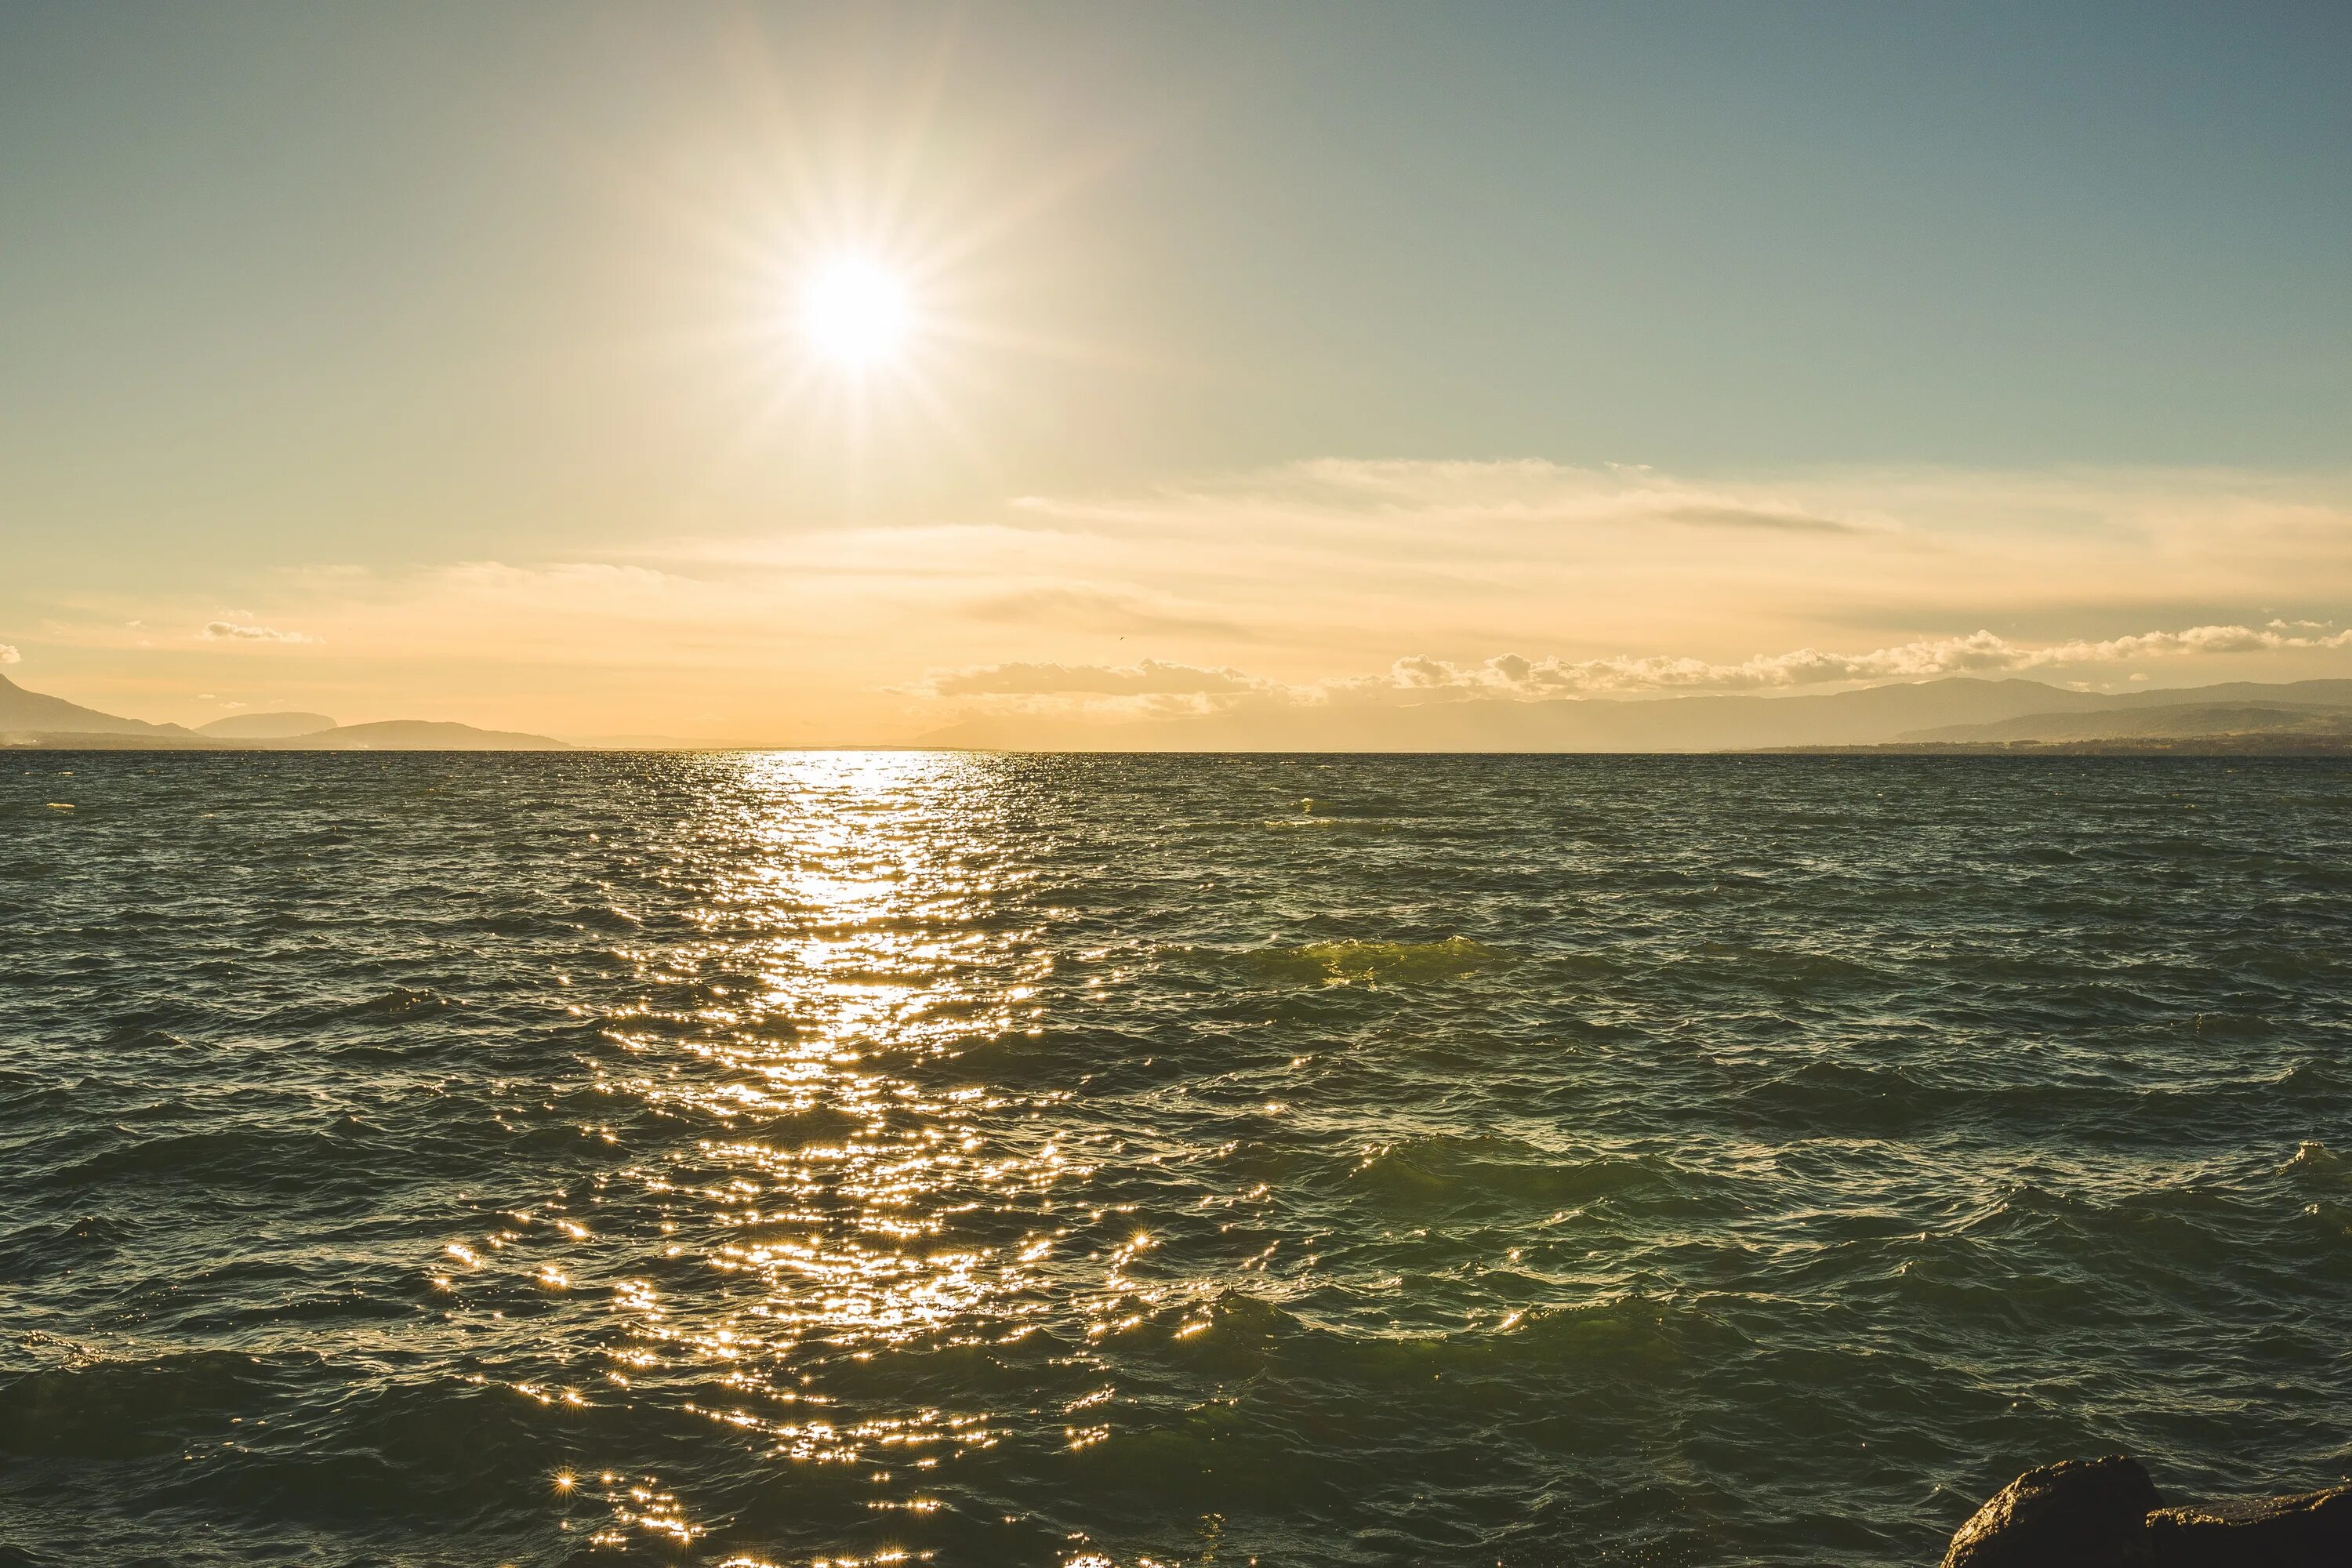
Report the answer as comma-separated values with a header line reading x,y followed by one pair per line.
x,y
849,1262
840,1182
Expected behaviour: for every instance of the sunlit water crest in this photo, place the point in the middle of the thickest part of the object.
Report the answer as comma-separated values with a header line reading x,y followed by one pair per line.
x,y
799,1159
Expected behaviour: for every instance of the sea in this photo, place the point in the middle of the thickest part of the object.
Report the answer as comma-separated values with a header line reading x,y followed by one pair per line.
x,y
842,1159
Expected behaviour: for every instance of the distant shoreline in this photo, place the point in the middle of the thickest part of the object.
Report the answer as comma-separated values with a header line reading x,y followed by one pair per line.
x,y
2186,746
2251,746
1951,717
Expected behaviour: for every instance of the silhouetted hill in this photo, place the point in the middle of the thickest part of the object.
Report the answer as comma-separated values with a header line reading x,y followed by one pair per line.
x,y
2179,721
2274,694
266,726
418,735
1952,712
30,719
30,712
1594,724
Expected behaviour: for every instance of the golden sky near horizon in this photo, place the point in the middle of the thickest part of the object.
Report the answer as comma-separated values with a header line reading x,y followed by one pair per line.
x,y
773,374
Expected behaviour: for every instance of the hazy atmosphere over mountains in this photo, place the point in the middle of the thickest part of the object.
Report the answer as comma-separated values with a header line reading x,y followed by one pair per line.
x,y
2295,716
2300,716
31,718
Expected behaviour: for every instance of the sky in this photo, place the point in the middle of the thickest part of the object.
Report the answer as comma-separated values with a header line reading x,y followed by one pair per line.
x,y
474,360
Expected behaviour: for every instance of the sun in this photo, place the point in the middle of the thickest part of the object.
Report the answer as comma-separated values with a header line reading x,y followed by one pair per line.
x,y
855,311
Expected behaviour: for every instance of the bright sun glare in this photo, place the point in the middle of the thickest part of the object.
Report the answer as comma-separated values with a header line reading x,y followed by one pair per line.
x,y
855,311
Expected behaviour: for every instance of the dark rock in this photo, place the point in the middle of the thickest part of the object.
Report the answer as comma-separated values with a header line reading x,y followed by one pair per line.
x,y
2312,1530
2081,1513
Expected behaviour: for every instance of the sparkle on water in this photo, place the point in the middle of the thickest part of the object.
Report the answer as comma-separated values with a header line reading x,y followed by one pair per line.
x,y
861,1159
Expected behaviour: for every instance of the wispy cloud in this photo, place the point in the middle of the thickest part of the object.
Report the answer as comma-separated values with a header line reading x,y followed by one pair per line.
x,y
1978,653
1303,583
1754,517
1514,677
239,631
1095,610
1150,678
1417,494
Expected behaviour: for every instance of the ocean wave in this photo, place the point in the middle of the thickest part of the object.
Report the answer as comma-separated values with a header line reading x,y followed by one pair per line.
x,y
401,1001
1687,1161
125,1409
2315,1163
1458,1172
1372,962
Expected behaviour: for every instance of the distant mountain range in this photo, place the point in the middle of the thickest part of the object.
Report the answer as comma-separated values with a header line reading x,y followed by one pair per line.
x,y
1948,715
32,719
2232,718
266,726
1954,713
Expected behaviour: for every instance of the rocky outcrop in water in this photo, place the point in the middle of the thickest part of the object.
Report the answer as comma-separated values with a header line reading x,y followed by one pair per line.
x,y
2272,1532
2079,1513
2106,1513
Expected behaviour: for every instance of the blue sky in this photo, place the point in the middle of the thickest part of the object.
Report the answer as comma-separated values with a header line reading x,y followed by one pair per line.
x,y
453,341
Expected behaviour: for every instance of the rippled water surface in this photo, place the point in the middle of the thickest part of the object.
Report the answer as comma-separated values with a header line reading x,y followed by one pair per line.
x,y
794,1158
